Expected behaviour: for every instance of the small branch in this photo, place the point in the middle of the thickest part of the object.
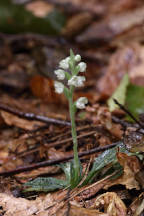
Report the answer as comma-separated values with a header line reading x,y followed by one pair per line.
x,y
59,143
129,113
121,122
32,116
54,162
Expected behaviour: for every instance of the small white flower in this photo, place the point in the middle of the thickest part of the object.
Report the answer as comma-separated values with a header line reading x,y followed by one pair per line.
x,y
77,58
64,64
59,87
77,81
82,66
60,74
81,102
67,59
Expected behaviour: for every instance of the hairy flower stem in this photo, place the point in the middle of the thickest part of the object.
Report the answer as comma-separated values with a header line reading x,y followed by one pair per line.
x,y
74,136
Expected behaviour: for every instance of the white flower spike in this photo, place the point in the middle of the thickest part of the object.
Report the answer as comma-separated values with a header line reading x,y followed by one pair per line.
x,y
81,102
60,74
77,81
77,58
82,66
69,68
59,87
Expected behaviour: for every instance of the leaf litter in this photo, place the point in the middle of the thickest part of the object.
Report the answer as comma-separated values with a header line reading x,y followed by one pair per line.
x,y
108,35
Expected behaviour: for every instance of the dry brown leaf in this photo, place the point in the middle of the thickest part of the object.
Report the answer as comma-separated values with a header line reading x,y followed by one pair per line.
x,y
25,176
54,154
131,166
44,88
24,207
100,115
90,190
76,23
126,60
78,211
14,120
103,8
111,203
39,8
113,26
137,206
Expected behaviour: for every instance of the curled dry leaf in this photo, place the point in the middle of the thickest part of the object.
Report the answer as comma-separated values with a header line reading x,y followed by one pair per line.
x,y
131,166
111,203
78,211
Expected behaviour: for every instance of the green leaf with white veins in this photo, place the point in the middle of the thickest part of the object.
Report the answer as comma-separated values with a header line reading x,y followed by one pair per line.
x,y
107,157
45,184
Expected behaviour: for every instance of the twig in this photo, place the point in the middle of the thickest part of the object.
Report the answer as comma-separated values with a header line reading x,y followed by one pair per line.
x,y
127,124
121,122
129,113
32,116
54,162
45,40
58,143
68,203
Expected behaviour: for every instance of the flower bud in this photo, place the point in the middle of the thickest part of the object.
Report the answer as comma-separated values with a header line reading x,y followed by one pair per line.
x,y
82,66
67,59
64,64
59,87
77,81
77,58
60,74
81,102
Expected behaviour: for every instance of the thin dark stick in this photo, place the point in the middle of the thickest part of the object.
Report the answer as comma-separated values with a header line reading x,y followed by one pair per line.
x,y
128,112
68,203
54,162
32,116
127,124
122,122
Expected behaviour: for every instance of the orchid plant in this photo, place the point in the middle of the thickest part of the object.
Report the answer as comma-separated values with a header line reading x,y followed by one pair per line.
x,y
70,67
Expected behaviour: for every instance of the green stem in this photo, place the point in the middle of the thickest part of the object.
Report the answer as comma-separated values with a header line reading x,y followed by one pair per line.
x,y
74,135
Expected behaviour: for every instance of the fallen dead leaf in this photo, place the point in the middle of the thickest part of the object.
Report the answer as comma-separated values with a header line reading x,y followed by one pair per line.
x,y
126,60
14,120
40,8
78,211
111,27
137,206
44,88
45,204
76,23
131,166
111,203
90,190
